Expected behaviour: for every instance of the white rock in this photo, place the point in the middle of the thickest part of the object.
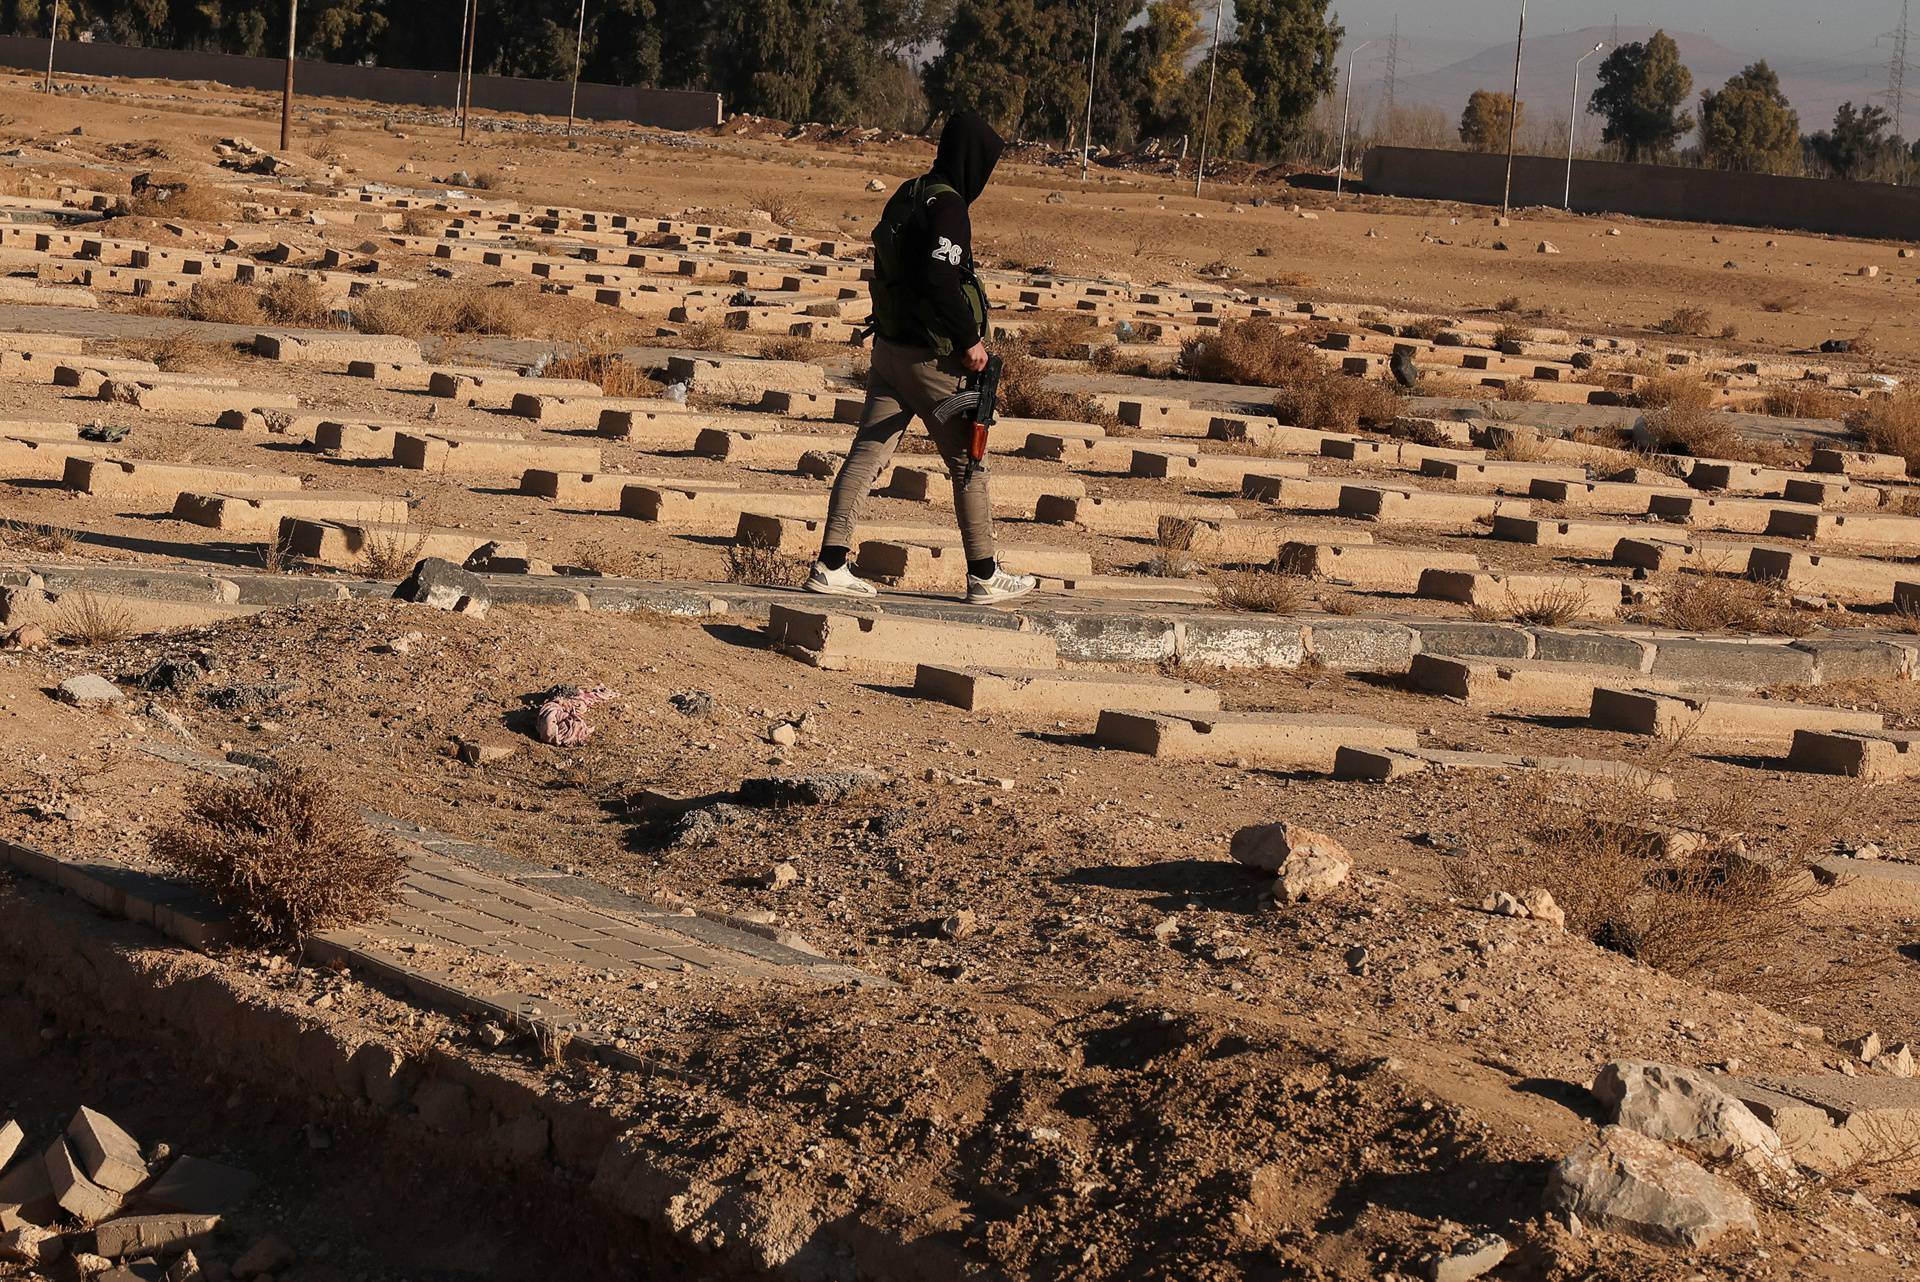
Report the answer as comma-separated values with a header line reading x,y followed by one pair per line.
x,y
1547,247
1677,1105
1267,847
1469,1259
1540,906
1308,877
1624,1182
89,690
1895,1061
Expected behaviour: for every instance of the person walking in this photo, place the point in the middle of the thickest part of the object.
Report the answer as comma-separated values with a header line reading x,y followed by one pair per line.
x,y
929,323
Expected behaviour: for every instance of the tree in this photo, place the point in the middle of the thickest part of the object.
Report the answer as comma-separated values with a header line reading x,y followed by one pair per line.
x,y
1285,51
1750,124
1856,143
1642,87
1023,63
1483,126
1145,94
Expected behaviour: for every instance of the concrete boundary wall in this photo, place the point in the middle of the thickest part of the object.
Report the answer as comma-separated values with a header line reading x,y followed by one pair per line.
x,y
660,108
1873,210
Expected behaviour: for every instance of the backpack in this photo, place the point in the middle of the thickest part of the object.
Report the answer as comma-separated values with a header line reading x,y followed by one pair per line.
x,y
901,311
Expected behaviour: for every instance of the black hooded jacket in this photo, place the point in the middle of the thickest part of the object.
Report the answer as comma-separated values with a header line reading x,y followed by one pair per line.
x,y
942,241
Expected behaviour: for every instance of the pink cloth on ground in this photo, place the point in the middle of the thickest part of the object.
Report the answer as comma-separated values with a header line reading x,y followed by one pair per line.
x,y
563,721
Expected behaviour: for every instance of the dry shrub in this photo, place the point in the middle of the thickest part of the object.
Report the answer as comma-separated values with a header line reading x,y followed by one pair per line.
x,y
1692,321
756,563
1427,328
1172,549
1261,352
1337,402
1718,916
1778,303
390,554
1024,394
1511,333
1519,390
601,362
446,309
1717,603
1890,424
225,302
1114,359
418,222
1555,607
1511,303
1681,417
297,300
1519,445
180,350
1063,336
486,180
602,556
93,620
179,200
1906,616
779,210
1806,400
36,536
794,348
1268,590
699,336
288,853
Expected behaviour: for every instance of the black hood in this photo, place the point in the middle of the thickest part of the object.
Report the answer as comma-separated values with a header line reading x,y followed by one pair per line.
x,y
968,152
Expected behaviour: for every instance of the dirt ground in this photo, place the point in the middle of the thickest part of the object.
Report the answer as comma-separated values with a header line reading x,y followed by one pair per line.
x,y
1132,1066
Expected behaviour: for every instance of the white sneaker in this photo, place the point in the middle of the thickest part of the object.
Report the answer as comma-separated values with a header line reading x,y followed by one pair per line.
x,y
840,582
1001,587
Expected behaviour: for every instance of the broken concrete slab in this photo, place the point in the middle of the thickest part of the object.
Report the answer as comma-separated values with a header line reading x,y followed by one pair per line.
x,y
1523,596
242,510
137,1236
107,1154
869,642
1045,693
145,477
77,1195
1834,1123
1374,569
1298,740
1671,715
1388,765
944,566
1877,757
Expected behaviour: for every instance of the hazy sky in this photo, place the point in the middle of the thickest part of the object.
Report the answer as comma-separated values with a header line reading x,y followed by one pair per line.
x,y
1767,27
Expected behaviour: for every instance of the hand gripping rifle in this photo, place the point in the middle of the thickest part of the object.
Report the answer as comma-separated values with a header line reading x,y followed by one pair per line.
x,y
979,399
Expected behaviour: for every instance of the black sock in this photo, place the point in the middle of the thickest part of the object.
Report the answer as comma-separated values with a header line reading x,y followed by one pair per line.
x,y
833,558
983,569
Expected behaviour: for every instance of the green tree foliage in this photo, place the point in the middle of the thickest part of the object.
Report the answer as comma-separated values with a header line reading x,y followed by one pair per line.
x,y
1023,63
1750,124
1284,50
1857,145
1145,95
1484,124
1642,89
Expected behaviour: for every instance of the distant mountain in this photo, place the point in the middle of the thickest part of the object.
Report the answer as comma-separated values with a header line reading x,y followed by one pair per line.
x,y
1815,86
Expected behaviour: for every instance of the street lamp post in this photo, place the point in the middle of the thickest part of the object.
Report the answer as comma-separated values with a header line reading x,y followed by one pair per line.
x,y
573,97
1086,135
1513,115
53,34
1573,119
1206,126
1346,110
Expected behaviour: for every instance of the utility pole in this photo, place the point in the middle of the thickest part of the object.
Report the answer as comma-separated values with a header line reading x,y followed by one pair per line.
x,y
1513,116
1346,113
1213,66
53,34
1393,64
286,97
1573,120
1093,62
573,97
460,63
466,76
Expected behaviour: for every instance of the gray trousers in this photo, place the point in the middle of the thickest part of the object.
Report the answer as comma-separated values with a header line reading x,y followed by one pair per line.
x,y
902,384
